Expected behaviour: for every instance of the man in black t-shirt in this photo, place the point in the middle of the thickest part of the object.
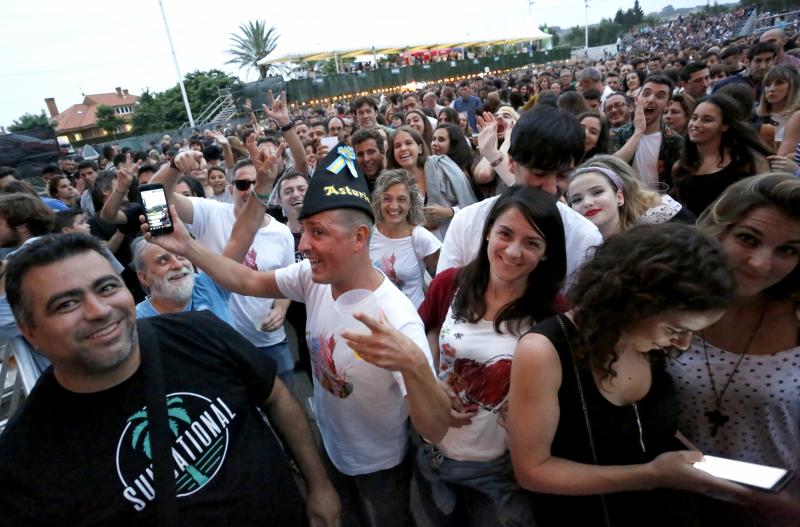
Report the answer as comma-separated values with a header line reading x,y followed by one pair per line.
x,y
80,451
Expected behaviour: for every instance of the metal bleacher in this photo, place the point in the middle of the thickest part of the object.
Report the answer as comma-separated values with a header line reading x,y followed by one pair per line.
x,y
18,375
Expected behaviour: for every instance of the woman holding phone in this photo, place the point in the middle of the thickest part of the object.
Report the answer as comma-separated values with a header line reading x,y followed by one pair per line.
x,y
592,409
737,384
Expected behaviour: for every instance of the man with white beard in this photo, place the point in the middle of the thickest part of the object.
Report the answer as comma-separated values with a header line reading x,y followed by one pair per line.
x,y
173,286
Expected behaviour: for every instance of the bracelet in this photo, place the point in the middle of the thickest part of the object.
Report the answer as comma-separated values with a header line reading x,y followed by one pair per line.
x,y
288,126
497,161
262,198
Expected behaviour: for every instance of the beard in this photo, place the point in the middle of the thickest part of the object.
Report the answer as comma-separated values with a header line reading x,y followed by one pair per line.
x,y
93,361
178,290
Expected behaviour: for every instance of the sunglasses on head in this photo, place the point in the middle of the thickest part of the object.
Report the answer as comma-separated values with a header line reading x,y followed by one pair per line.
x,y
243,184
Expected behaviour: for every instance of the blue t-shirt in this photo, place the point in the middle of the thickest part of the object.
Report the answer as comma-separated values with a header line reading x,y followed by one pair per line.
x,y
470,106
55,204
207,294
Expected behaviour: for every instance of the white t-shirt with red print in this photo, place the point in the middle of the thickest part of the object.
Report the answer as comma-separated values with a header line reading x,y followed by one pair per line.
x,y
400,259
273,248
361,409
475,362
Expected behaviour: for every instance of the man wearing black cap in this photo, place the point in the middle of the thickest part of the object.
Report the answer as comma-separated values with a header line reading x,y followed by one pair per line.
x,y
365,386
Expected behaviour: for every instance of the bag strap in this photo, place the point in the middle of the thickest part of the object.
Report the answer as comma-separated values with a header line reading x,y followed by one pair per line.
x,y
585,408
420,259
161,440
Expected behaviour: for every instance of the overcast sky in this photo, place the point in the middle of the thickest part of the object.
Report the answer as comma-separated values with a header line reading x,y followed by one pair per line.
x,y
64,49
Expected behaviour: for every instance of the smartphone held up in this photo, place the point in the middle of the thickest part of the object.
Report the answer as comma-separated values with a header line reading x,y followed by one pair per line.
x,y
156,208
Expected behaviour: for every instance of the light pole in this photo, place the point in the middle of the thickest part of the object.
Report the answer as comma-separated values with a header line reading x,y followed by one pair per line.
x,y
177,69
586,35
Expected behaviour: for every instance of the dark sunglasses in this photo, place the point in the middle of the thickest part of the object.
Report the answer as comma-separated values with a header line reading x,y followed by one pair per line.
x,y
243,184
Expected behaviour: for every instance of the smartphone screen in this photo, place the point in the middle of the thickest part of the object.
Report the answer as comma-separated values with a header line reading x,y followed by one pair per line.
x,y
759,476
156,209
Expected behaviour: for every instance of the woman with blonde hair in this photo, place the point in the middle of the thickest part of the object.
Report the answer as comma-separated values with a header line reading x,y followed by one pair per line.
x,y
780,98
608,193
399,245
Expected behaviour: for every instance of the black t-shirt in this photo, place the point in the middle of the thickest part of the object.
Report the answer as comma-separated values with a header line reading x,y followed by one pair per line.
x,y
104,231
82,459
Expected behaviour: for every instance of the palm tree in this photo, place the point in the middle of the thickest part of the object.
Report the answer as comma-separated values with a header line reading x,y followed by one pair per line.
x,y
253,43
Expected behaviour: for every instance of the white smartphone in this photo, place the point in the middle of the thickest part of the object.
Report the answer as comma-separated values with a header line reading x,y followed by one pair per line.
x,y
762,477
330,142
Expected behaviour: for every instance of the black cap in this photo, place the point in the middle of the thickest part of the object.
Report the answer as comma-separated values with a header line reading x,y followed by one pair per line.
x,y
337,184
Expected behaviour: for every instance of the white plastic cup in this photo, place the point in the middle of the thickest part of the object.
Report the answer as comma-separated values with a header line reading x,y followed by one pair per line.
x,y
356,301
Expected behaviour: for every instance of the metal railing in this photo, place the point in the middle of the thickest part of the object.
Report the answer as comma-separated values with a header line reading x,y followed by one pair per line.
x,y
18,375
767,22
222,105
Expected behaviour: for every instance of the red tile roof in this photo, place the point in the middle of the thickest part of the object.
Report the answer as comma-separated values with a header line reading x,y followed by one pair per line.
x,y
79,116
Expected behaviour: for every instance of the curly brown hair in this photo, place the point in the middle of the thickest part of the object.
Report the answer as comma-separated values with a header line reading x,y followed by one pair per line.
x,y
639,273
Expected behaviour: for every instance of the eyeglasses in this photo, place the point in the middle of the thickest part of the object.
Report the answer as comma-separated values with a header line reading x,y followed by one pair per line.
x,y
615,106
243,184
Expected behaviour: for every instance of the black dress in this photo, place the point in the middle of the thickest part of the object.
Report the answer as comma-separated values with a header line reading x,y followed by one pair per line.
x,y
698,192
617,441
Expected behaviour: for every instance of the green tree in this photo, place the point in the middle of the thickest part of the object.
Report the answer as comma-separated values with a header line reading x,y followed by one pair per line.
x,y
253,43
157,112
29,121
637,13
107,119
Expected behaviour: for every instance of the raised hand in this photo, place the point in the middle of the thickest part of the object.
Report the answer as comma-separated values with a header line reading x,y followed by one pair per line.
x,y
277,109
177,242
639,122
126,173
189,161
385,347
267,160
487,137
217,137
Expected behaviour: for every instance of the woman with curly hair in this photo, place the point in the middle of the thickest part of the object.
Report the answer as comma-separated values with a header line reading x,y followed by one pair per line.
x,y
592,410
607,191
399,245
720,151
632,83
737,382
474,316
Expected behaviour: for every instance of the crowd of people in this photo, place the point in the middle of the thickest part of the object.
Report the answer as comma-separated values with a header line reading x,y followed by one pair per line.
x,y
576,282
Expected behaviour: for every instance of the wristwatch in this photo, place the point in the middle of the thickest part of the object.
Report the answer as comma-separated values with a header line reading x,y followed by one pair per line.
x,y
288,126
497,161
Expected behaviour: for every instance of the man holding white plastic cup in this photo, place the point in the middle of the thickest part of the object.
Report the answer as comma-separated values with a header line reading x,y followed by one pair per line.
x,y
365,385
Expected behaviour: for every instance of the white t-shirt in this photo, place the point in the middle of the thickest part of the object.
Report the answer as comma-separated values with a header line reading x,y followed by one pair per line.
x,y
475,362
645,160
464,237
400,259
361,409
273,248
